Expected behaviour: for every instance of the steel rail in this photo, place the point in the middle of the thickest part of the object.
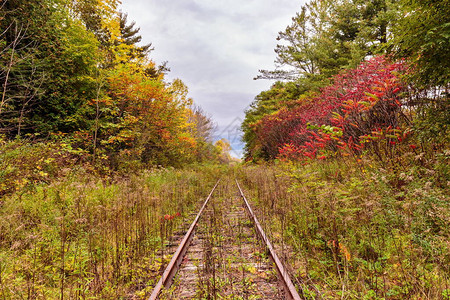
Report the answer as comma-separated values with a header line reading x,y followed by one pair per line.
x,y
289,287
177,258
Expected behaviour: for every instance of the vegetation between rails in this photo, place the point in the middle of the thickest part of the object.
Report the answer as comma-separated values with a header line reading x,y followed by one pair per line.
x,y
228,260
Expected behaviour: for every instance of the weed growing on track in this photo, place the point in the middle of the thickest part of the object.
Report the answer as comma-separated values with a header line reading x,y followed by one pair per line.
x,y
81,237
354,231
226,258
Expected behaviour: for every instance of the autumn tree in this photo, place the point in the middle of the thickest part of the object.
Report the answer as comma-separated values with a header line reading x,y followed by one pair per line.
x,y
280,95
202,128
98,16
75,70
325,38
361,109
223,147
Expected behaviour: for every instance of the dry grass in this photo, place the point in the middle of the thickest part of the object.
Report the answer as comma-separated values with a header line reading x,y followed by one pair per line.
x,y
352,231
81,237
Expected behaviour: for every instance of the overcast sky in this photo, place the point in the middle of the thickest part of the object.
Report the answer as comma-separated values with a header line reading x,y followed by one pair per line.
x,y
216,47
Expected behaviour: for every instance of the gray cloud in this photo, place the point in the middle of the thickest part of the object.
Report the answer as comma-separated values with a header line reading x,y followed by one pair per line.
x,y
216,47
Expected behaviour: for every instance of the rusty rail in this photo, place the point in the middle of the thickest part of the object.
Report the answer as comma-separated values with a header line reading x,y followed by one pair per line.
x,y
175,262
291,292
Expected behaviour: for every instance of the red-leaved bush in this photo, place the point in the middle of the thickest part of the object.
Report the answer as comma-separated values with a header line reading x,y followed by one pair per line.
x,y
360,110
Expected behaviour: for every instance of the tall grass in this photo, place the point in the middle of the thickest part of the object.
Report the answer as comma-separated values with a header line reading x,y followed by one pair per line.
x,y
84,237
354,231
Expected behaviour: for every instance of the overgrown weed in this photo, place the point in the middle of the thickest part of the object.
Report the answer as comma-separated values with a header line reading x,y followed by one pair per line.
x,y
85,237
356,230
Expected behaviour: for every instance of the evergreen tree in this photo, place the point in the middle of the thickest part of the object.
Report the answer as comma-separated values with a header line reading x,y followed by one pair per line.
x,y
130,36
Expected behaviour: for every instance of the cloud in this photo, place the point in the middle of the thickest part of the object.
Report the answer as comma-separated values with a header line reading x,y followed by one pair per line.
x,y
215,47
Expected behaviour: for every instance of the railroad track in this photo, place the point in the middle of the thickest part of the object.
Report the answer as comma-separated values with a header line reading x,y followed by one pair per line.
x,y
225,252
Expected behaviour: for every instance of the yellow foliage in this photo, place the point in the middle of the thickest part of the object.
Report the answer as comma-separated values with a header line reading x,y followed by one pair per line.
x,y
110,18
179,92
